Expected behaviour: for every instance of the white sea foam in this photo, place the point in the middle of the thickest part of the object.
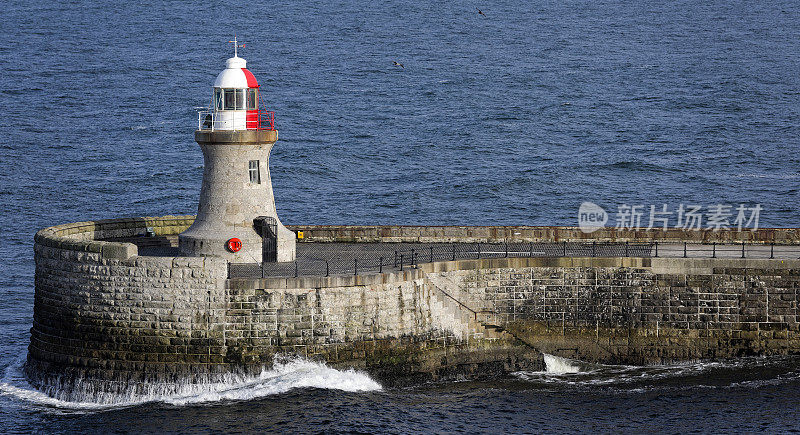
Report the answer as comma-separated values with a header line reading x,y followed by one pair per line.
x,y
698,374
285,375
13,384
555,365
599,374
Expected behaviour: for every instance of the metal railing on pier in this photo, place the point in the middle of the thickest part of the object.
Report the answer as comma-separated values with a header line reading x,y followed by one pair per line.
x,y
380,257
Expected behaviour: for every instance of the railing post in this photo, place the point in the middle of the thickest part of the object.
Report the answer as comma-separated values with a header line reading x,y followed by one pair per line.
x,y
713,249
742,249
565,248
530,250
355,266
593,247
656,249
772,250
413,255
506,244
626,249
380,267
401,261
327,269
295,269
479,250
684,249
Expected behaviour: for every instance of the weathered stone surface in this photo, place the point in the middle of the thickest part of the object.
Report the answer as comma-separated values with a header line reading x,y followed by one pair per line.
x,y
120,322
229,202
499,234
602,312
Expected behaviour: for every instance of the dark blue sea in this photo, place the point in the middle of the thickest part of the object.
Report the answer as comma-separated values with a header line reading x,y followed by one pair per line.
x,y
512,117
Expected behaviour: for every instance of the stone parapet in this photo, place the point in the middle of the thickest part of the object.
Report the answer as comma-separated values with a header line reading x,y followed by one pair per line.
x,y
91,236
499,234
636,310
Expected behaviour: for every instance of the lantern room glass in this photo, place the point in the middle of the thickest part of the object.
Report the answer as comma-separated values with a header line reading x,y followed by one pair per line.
x,y
236,99
252,99
230,99
239,99
218,99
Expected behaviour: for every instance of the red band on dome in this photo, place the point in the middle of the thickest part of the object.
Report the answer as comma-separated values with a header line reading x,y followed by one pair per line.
x,y
251,79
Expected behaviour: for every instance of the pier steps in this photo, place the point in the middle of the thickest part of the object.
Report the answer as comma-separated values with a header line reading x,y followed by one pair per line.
x,y
459,316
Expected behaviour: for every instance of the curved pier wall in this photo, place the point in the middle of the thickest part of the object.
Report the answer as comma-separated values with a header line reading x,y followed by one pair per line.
x,y
101,311
108,320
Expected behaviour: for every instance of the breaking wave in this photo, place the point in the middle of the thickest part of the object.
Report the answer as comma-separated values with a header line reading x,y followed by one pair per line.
x,y
555,365
286,374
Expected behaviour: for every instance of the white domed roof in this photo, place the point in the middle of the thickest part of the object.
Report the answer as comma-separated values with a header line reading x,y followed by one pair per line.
x,y
235,75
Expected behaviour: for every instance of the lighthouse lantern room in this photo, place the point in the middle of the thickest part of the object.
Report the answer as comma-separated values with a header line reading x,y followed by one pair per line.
x,y
235,103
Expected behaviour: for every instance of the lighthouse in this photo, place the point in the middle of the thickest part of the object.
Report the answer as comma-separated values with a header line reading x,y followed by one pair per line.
x,y
236,215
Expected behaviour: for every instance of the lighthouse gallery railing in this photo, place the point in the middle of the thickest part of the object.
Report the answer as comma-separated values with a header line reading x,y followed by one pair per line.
x,y
262,120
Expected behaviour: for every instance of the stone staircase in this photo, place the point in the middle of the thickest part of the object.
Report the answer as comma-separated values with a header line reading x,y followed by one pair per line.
x,y
456,316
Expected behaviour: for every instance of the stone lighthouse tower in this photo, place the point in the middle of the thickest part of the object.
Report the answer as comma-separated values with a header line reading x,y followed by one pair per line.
x,y
236,217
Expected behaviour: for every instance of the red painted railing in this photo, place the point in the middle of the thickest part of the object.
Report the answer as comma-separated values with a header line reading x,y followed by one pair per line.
x,y
260,120
266,120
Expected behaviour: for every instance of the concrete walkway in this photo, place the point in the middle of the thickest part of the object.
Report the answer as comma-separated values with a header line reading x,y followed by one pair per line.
x,y
728,251
320,259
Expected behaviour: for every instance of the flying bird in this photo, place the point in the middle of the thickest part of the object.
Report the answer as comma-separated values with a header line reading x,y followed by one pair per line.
x,y
396,63
480,12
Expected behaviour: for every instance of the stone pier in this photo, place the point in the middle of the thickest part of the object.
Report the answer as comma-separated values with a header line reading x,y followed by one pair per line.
x,y
109,321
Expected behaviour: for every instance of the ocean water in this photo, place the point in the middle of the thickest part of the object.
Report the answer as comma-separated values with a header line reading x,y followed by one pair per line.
x,y
515,117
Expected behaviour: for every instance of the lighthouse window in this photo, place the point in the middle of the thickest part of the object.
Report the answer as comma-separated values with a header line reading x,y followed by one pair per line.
x,y
218,99
252,99
239,99
255,174
230,99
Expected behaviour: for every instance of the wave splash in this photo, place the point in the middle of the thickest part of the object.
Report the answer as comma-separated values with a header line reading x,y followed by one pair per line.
x,y
555,365
287,373
284,376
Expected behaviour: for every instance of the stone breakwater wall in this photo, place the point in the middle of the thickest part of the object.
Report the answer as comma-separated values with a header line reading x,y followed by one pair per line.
x,y
101,311
111,322
635,310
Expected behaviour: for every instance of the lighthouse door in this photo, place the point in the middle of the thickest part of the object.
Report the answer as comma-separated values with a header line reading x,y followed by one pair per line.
x,y
267,228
